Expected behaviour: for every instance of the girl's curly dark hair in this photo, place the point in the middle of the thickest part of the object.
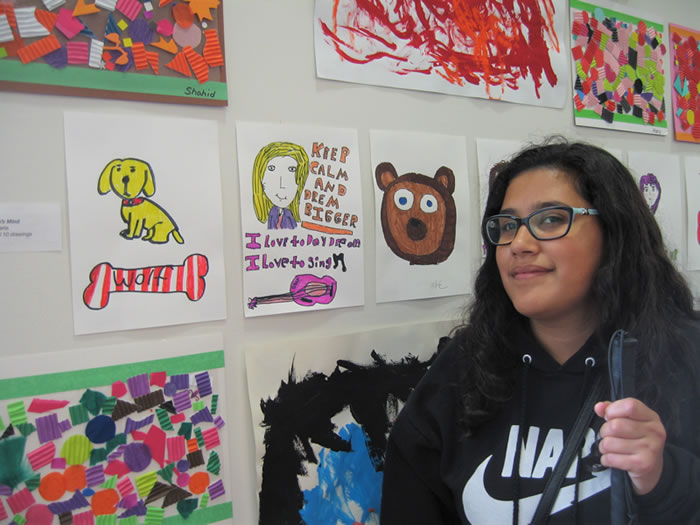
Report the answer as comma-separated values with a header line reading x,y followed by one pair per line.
x,y
636,286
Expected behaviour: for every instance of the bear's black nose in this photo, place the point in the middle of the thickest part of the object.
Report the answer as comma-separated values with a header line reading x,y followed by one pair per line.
x,y
416,229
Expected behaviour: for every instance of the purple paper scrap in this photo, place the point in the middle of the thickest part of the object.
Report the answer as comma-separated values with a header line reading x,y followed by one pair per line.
x,y
181,381
132,425
138,385
203,416
182,401
136,510
47,428
203,384
216,489
78,501
95,475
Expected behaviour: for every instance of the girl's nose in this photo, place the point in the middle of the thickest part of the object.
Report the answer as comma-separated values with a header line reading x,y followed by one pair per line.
x,y
523,241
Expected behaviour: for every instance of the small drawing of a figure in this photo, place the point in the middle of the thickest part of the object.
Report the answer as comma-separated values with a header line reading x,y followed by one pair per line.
x,y
651,189
280,171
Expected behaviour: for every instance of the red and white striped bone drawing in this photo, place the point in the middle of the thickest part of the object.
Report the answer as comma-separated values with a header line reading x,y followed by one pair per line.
x,y
187,278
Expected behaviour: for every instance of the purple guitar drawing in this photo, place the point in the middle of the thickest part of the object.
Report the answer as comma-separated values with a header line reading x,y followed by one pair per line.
x,y
305,290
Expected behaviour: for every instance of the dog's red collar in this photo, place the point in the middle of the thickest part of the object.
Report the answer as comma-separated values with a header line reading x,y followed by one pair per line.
x,y
131,202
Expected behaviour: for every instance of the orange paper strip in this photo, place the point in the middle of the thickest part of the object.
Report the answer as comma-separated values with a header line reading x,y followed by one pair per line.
x,y
38,49
9,10
198,64
212,49
164,2
139,52
152,58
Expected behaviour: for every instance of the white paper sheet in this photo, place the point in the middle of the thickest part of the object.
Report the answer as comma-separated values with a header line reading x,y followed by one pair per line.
x,y
302,238
668,201
171,271
422,246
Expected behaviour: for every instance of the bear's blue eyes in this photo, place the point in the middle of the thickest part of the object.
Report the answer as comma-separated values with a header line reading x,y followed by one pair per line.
x,y
428,203
403,199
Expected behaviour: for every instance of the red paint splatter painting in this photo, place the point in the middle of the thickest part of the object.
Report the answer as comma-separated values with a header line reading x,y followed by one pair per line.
x,y
507,50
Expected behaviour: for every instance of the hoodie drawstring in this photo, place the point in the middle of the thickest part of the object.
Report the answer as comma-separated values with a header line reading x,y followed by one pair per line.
x,y
590,363
527,360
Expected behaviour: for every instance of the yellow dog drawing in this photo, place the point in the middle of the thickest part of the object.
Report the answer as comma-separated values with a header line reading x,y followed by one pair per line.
x,y
128,178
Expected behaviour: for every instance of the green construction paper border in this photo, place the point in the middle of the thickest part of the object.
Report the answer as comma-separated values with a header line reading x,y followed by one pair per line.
x,y
93,377
209,514
625,17
627,119
103,82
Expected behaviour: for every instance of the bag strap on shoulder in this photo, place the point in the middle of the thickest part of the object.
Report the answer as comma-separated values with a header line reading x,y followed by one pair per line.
x,y
573,444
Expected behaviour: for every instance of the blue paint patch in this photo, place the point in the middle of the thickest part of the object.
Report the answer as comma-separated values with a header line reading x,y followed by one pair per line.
x,y
349,489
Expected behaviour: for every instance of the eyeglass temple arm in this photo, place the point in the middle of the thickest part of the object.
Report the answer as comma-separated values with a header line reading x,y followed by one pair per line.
x,y
585,211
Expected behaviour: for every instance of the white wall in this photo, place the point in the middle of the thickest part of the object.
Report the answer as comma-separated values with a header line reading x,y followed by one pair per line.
x,y
271,75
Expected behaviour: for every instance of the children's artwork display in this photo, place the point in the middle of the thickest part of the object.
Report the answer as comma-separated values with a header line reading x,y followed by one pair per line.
x,y
685,77
135,440
301,218
421,194
619,67
322,410
146,238
494,51
692,191
127,49
659,179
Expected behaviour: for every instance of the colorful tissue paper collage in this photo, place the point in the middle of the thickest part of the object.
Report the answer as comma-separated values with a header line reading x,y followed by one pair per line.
x,y
685,69
619,70
140,443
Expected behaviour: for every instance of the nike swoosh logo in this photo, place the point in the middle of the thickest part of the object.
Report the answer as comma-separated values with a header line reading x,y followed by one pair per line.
x,y
481,508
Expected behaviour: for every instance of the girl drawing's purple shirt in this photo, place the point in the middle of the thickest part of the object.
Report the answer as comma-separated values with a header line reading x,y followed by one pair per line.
x,y
280,219
650,187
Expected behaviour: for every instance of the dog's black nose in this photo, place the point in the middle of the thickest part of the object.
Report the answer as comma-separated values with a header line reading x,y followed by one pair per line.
x,y
125,179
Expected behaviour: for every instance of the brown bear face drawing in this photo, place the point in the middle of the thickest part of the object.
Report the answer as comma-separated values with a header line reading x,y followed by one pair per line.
x,y
418,213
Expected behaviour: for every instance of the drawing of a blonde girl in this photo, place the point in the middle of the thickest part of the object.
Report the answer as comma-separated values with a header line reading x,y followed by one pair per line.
x,y
280,171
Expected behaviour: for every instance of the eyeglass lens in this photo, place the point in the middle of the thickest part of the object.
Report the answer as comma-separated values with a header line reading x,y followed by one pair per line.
x,y
544,224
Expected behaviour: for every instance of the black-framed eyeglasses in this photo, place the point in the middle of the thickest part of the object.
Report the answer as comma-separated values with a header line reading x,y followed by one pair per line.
x,y
546,224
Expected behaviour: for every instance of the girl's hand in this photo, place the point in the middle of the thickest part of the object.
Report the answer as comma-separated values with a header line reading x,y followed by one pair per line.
x,y
632,439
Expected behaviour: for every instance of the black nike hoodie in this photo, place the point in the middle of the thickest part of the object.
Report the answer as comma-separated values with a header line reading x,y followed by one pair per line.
x,y
434,474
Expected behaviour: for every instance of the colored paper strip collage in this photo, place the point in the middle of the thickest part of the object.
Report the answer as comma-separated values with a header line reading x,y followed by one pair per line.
x,y
128,36
81,465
